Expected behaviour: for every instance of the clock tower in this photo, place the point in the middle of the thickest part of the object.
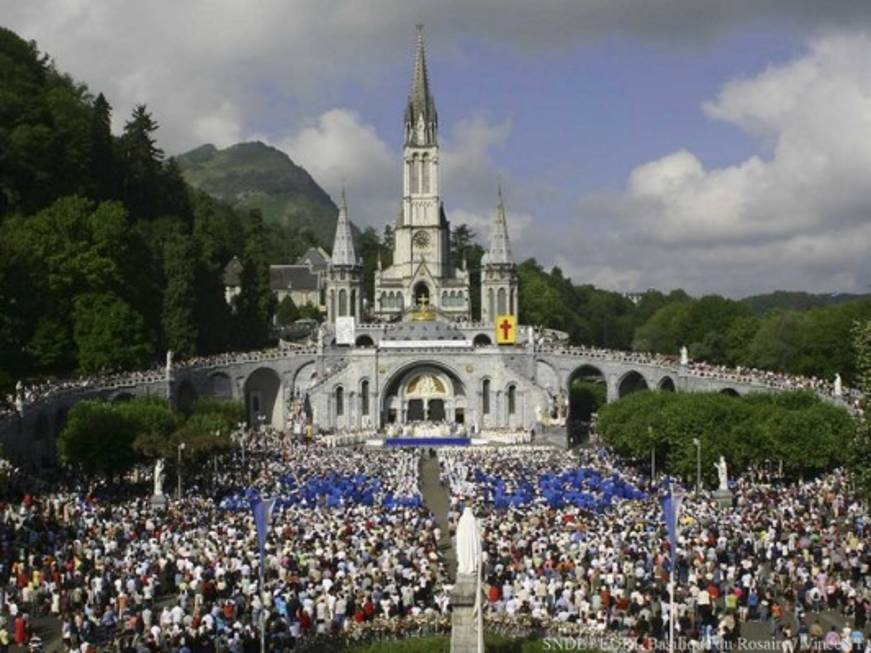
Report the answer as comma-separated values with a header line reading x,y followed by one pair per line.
x,y
422,268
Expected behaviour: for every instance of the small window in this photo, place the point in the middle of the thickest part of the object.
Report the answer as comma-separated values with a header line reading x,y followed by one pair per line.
x,y
364,398
485,397
340,401
512,400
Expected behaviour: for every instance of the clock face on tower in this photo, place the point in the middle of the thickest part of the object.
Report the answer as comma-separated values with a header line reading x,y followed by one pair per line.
x,y
421,239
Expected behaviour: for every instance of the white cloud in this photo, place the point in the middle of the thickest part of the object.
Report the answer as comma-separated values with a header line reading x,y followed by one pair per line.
x,y
798,218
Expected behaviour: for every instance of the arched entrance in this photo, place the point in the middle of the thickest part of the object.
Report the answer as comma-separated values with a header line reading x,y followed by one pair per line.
x,y
631,382
220,386
588,391
482,340
667,384
262,393
731,392
426,392
421,293
186,397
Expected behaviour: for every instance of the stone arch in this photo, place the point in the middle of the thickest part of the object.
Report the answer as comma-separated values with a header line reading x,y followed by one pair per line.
x,y
482,340
631,382
587,391
42,428
220,385
731,392
666,384
304,377
364,341
343,303
122,397
185,397
398,393
263,398
421,291
60,420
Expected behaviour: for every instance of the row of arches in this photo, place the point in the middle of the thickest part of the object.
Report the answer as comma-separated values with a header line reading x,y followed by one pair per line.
x,y
501,301
345,308
421,172
392,300
453,299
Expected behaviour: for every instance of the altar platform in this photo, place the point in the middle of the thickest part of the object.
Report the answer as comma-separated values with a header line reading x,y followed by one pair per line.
x,y
423,441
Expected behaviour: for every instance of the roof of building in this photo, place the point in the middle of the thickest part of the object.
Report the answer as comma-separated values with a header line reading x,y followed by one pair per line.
x,y
316,257
420,101
343,244
232,271
500,247
292,277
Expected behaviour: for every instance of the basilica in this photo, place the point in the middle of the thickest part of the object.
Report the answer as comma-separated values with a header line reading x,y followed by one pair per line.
x,y
421,273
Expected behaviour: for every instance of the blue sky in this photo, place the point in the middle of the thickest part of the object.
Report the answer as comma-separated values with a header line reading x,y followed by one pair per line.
x,y
713,146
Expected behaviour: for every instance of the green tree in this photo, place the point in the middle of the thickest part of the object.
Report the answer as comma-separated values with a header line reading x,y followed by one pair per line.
x,y
109,334
287,312
859,449
98,439
142,164
104,164
180,326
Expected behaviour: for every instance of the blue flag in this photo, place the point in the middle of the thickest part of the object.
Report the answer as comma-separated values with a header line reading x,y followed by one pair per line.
x,y
262,509
671,504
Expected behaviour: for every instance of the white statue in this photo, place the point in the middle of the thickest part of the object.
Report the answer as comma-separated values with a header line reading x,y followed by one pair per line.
x,y
19,397
723,472
538,413
169,362
684,356
468,543
321,336
839,387
158,477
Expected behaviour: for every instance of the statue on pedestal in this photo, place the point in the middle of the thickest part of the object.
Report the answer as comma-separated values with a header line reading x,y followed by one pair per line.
x,y
723,472
158,477
468,543
839,386
168,363
684,356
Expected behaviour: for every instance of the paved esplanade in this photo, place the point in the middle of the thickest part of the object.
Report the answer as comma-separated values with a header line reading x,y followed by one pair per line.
x,y
437,501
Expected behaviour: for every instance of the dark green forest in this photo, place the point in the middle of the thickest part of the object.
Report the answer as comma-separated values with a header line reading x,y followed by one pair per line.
x,y
108,258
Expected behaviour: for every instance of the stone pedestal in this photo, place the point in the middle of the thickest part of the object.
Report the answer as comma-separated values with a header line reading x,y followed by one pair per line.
x,y
464,638
723,498
159,501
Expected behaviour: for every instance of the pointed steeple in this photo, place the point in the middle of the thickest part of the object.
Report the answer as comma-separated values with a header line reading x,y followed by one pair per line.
x,y
343,244
500,247
421,105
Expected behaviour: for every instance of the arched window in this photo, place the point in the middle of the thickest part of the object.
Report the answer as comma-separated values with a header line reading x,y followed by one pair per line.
x,y
364,398
333,303
424,174
343,302
485,397
501,302
512,399
340,401
511,301
383,300
445,299
413,176
491,313
353,308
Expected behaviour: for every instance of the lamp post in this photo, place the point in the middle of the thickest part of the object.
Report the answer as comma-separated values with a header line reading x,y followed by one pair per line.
x,y
652,455
698,443
181,447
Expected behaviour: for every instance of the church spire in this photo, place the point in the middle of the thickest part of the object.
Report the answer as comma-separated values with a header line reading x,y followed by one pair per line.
x,y
343,244
500,247
421,118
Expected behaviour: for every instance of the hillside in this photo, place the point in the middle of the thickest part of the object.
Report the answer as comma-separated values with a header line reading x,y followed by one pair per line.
x,y
254,175
796,301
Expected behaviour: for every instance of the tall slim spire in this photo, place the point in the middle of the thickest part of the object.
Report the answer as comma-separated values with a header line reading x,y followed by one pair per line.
x,y
421,105
343,244
500,246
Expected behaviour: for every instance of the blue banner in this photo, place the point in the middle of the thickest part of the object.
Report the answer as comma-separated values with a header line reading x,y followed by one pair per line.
x,y
671,504
262,509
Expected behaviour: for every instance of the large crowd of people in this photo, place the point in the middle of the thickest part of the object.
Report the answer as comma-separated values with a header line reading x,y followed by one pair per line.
x,y
580,546
351,543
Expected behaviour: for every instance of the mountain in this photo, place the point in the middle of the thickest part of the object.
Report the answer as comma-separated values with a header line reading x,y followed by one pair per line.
x,y
257,176
796,301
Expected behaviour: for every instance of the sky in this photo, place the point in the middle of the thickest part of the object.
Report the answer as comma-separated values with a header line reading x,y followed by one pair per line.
x,y
719,147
